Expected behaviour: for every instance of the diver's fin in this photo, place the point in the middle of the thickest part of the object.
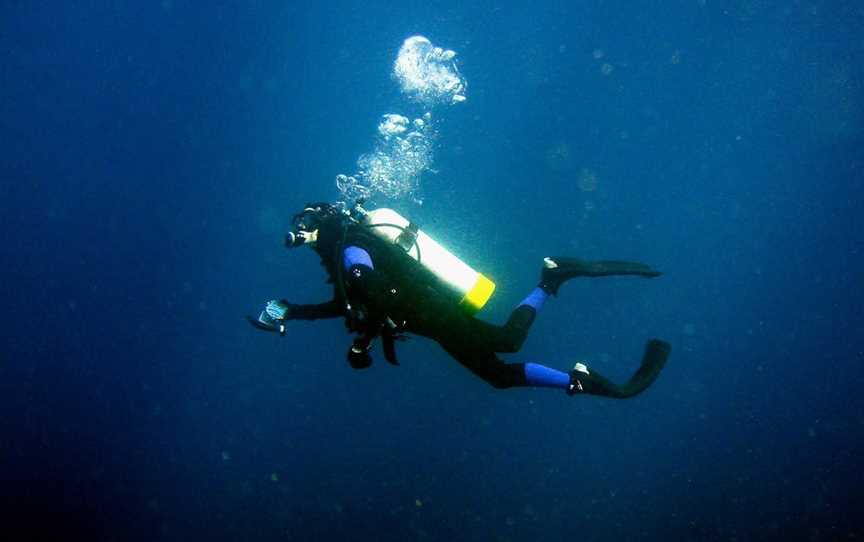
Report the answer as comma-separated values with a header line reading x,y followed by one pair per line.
x,y
653,361
587,381
559,269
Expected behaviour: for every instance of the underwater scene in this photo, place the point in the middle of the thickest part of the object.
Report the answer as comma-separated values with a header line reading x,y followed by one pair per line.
x,y
463,271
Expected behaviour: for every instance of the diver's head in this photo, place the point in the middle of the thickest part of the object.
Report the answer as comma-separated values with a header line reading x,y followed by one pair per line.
x,y
306,223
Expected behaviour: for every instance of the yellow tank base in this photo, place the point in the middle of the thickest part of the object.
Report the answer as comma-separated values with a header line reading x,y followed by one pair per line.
x,y
478,295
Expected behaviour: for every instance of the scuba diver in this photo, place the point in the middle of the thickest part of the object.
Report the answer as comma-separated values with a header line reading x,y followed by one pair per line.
x,y
391,279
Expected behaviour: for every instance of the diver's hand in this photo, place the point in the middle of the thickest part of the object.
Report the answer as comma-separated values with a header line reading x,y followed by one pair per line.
x,y
359,357
273,316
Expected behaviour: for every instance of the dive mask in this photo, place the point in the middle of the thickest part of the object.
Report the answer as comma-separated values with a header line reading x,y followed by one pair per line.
x,y
305,225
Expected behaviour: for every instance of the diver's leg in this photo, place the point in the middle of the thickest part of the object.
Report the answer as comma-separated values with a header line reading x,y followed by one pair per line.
x,y
487,366
509,337
473,343
581,381
501,375
461,343
470,341
459,338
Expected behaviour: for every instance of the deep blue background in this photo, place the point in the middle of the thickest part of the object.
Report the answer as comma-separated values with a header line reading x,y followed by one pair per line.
x,y
151,154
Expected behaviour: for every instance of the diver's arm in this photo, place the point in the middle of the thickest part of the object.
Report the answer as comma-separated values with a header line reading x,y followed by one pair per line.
x,y
359,275
330,309
277,312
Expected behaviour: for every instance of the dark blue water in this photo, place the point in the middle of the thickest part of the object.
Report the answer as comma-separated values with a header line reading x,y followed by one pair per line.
x,y
153,152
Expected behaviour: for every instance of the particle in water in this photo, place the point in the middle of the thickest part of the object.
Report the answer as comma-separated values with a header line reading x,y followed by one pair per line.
x,y
587,180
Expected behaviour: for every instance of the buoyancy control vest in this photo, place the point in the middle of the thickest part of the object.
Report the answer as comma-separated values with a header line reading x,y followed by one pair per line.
x,y
413,267
452,276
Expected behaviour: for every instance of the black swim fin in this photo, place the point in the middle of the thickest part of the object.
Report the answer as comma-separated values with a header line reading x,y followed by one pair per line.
x,y
557,270
588,381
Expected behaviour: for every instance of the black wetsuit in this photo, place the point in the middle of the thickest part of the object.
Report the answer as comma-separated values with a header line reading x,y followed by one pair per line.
x,y
381,291
403,291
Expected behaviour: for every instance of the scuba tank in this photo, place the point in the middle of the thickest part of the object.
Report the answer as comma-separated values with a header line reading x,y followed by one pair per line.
x,y
471,289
